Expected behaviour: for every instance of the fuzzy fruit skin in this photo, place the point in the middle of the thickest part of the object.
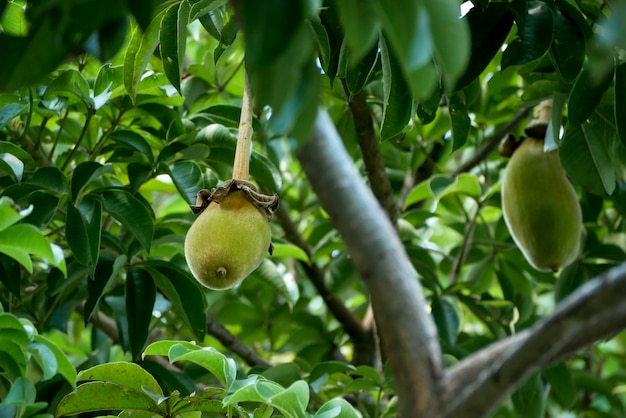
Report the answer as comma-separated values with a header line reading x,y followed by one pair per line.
x,y
227,242
541,208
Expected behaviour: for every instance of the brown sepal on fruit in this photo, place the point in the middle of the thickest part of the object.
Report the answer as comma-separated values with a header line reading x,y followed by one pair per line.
x,y
265,203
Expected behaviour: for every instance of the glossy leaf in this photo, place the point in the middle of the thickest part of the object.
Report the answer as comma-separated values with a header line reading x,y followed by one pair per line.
x,y
100,396
173,40
620,100
561,383
64,366
140,298
85,173
105,272
132,213
138,53
127,375
535,40
77,236
586,94
568,48
188,179
182,291
10,213
134,141
210,359
447,320
398,101
489,29
586,159
21,240
530,400
361,27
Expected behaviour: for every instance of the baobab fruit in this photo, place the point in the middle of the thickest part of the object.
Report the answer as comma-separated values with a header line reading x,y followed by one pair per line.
x,y
231,236
540,207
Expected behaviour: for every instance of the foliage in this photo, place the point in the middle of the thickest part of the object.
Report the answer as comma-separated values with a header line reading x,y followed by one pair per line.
x,y
114,114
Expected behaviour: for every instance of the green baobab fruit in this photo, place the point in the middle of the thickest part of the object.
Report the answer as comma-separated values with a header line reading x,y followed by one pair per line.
x,y
540,207
231,235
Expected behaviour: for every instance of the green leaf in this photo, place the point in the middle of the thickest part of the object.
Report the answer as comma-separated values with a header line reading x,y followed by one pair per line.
x,y
460,122
45,358
22,392
183,292
535,39
337,408
287,288
173,36
451,39
71,84
11,214
162,348
290,251
568,47
9,111
561,384
131,213
530,400
210,359
407,27
620,100
586,159
398,102
104,396
138,53
106,270
586,94
64,366
84,174
188,179
360,25
140,298
11,329
12,359
292,401
447,320
357,76
489,28
9,148
77,236
26,60
254,389
124,374
50,178
134,141
18,241
10,164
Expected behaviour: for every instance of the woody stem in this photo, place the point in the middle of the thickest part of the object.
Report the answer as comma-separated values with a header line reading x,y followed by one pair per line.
x,y
241,166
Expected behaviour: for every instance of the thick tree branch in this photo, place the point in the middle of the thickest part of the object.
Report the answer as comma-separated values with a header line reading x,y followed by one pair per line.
x,y
491,143
596,310
370,150
361,336
406,328
231,342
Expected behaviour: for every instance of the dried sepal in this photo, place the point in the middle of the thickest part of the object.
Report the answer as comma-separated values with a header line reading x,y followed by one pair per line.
x,y
266,203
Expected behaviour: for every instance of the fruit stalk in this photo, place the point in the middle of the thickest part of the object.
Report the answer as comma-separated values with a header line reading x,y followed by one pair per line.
x,y
241,165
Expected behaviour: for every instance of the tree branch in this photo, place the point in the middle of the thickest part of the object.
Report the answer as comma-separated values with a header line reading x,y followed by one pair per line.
x,y
235,345
406,328
491,143
370,151
361,336
596,310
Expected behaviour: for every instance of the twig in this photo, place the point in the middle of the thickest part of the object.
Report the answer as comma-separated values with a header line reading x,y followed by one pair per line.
x,y
361,335
235,345
491,143
370,151
406,329
596,310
